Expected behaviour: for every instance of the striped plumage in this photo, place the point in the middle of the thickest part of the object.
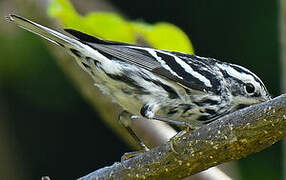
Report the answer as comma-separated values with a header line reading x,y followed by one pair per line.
x,y
158,83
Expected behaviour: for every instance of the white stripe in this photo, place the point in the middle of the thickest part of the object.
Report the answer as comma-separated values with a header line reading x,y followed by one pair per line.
x,y
190,70
239,75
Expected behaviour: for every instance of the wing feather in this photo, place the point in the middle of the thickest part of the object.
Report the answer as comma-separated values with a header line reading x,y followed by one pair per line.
x,y
142,57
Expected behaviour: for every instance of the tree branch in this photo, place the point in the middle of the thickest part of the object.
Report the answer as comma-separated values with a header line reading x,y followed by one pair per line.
x,y
231,137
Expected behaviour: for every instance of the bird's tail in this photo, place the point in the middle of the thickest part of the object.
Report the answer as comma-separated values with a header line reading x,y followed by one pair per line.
x,y
47,33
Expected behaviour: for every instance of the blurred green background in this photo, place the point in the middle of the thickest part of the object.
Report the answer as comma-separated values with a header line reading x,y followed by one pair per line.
x,y
47,128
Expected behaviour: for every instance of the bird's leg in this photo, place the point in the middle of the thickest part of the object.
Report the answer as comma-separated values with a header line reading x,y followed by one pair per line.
x,y
125,119
148,111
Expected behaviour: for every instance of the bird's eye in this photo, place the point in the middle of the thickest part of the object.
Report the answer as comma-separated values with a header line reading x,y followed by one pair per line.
x,y
249,88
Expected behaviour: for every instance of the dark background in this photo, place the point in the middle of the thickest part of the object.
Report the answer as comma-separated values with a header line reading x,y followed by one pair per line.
x,y
53,131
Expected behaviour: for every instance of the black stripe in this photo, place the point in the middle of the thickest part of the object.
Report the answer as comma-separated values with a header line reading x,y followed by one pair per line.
x,y
172,111
206,102
203,118
75,52
226,75
171,92
85,65
91,60
60,44
171,62
239,69
91,39
187,108
108,56
144,110
130,82
210,111
241,106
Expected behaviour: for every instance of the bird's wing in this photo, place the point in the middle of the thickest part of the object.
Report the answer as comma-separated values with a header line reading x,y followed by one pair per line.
x,y
164,63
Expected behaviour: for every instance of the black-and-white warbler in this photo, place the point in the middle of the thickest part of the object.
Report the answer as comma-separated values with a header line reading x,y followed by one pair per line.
x,y
178,88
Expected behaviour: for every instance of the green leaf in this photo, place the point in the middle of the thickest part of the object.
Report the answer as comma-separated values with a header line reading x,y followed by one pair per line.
x,y
112,26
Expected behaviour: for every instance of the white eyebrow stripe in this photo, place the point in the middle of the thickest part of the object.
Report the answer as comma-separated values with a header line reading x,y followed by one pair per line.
x,y
239,75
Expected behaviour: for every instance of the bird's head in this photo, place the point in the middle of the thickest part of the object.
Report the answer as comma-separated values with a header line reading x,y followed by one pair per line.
x,y
244,86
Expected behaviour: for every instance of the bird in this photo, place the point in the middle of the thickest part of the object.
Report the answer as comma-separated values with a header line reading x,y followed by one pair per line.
x,y
182,89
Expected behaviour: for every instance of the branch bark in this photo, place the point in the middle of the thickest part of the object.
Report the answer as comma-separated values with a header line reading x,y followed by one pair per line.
x,y
231,137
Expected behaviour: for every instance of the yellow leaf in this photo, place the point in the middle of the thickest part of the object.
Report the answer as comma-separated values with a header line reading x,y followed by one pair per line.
x,y
108,26
165,36
112,26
